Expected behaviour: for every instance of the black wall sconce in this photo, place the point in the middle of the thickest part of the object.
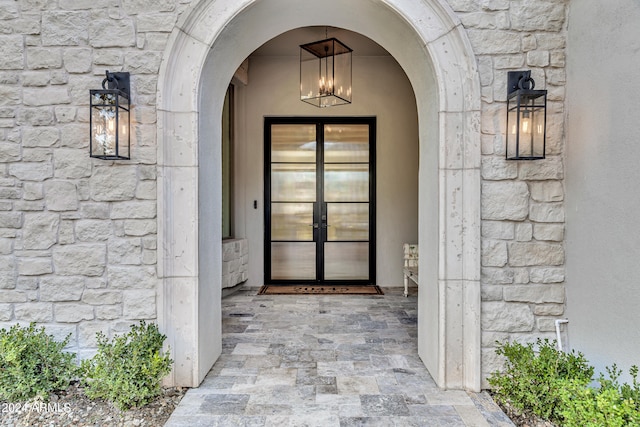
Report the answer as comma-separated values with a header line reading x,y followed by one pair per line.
x,y
526,117
109,118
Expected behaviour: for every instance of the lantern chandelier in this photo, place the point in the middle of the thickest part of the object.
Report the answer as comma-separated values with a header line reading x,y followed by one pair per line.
x,y
109,118
526,117
325,73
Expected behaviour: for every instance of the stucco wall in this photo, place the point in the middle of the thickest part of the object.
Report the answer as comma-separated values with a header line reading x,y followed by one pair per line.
x,y
393,104
603,147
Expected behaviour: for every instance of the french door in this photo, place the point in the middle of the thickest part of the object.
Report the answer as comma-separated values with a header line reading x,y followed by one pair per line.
x,y
320,200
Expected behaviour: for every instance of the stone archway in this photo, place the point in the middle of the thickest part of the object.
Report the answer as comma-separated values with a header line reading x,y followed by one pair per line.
x,y
430,44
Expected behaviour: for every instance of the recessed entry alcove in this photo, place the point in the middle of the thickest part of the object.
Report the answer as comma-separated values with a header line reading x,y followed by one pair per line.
x,y
430,45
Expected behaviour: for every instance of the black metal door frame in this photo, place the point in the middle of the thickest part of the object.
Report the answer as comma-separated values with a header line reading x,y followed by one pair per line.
x,y
320,207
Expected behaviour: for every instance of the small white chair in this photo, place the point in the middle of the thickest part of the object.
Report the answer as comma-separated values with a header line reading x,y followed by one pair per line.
x,y
410,267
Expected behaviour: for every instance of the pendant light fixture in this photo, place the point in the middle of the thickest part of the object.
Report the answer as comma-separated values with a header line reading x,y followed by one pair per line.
x,y
325,73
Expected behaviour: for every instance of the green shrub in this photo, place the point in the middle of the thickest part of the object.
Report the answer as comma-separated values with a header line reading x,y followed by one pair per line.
x,y
127,370
610,405
532,380
32,363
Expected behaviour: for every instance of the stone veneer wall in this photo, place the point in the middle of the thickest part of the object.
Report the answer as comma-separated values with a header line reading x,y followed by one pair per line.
x,y
235,262
523,261
78,236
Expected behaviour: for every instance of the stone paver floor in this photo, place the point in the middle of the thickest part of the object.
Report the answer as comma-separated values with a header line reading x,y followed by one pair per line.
x,y
325,360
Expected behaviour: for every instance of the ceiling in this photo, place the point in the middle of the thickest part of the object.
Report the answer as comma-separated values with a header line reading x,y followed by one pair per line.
x,y
288,44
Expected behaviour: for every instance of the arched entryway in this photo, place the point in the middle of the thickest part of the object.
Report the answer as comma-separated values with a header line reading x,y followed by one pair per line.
x,y
430,45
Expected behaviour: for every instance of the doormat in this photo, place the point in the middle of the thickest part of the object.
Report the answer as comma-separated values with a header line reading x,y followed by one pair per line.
x,y
323,290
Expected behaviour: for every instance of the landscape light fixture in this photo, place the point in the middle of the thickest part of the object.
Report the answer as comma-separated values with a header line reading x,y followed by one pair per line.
x,y
109,118
325,73
526,117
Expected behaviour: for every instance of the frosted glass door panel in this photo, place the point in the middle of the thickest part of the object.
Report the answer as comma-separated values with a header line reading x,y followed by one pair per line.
x,y
292,221
346,143
293,261
347,221
346,261
293,182
346,182
293,143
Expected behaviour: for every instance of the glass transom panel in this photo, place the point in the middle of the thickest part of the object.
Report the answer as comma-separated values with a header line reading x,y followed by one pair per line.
x,y
293,182
292,221
293,143
346,143
346,261
346,182
347,221
293,260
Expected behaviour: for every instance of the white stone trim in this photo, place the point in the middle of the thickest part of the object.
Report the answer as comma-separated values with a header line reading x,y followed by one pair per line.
x,y
431,45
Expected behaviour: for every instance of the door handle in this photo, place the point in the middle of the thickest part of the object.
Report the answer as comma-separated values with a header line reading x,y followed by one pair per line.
x,y
314,225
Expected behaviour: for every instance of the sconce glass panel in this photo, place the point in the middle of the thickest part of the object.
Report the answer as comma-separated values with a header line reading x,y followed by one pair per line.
x,y
109,124
526,124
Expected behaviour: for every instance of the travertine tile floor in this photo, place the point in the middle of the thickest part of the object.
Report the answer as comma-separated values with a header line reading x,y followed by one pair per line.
x,y
325,360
